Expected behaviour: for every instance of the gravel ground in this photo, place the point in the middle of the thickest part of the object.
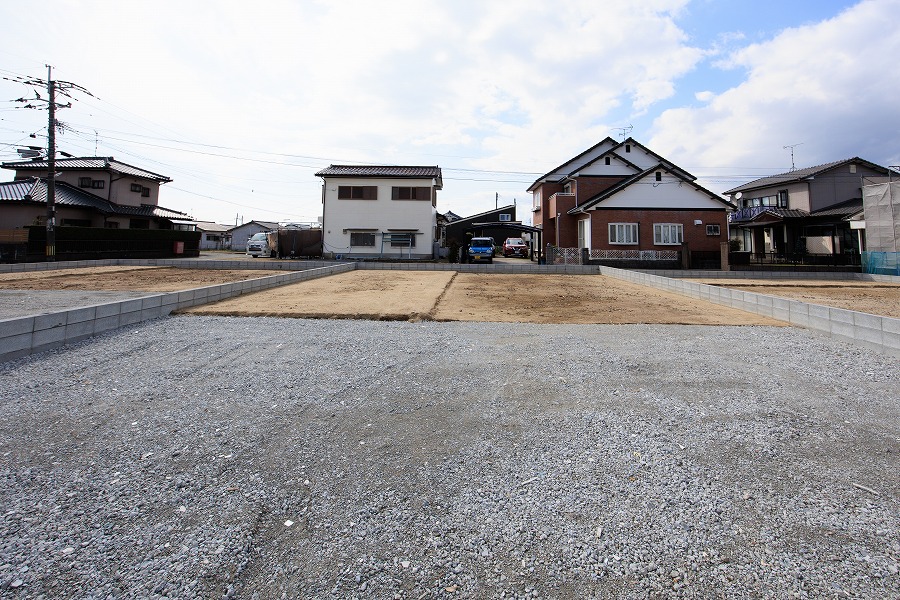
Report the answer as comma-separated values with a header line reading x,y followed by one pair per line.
x,y
22,303
215,457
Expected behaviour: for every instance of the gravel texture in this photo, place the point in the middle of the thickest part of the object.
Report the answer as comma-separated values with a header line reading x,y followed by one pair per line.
x,y
215,457
23,303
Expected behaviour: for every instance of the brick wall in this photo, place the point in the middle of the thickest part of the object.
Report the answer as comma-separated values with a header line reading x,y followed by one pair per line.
x,y
694,235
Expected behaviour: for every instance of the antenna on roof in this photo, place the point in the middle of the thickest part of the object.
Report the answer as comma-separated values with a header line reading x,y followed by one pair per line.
x,y
624,130
792,146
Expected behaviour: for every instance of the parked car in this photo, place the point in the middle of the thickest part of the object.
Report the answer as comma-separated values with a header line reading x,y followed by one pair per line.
x,y
481,249
515,247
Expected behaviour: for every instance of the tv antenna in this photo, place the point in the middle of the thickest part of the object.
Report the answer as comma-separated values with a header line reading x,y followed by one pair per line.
x,y
623,130
792,146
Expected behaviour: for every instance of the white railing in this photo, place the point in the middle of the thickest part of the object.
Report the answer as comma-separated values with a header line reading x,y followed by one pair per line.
x,y
634,255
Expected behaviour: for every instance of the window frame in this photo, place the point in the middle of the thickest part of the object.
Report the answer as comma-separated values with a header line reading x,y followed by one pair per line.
x,y
632,228
369,236
411,192
504,217
658,235
713,230
396,243
357,192
98,184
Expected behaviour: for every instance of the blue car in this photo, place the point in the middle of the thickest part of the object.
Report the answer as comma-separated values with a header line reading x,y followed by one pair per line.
x,y
481,249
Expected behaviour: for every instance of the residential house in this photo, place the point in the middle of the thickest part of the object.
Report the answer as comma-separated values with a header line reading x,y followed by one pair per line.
x,y
380,211
485,224
213,236
241,233
89,192
620,200
804,212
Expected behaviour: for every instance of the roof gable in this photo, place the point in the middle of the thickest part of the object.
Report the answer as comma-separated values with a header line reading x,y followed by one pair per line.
x,y
696,194
575,163
801,174
91,163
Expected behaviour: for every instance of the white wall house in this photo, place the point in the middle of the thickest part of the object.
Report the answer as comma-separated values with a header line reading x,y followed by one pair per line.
x,y
379,211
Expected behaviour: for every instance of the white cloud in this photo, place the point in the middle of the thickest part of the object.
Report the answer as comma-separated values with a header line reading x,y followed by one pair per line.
x,y
830,86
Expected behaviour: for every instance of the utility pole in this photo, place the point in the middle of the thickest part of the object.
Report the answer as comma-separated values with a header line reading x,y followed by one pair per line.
x,y
496,200
51,165
65,88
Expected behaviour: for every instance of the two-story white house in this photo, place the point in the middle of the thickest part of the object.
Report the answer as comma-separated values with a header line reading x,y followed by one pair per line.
x,y
374,211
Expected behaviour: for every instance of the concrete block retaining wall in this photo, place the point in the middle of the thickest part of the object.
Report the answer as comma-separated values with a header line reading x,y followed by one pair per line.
x,y
26,335
19,337
881,334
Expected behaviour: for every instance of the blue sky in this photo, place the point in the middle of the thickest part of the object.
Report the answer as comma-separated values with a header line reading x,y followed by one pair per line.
x,y
240,104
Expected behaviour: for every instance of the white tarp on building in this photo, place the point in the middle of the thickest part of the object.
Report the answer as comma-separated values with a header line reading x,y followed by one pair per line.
x,y
881,206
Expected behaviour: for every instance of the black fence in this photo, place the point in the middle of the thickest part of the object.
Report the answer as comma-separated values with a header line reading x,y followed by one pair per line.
x,y
94,243
771,261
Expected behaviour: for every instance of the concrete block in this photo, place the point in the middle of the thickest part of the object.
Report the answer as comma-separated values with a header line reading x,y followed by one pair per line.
x,y
842,323
153,312
50,320
799,313
78,315
80,330
10,327
130,305
781,309
16,343
819,318
106,323
130,318
151,302
107,310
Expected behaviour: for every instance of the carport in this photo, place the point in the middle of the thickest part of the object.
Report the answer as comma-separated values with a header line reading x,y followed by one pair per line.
x,y
479,228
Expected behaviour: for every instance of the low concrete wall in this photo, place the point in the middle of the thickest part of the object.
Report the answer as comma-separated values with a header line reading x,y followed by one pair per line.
x,y
26,335
22,336
881,334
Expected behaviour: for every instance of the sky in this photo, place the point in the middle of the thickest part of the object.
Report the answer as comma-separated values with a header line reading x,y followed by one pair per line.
x,y
242,103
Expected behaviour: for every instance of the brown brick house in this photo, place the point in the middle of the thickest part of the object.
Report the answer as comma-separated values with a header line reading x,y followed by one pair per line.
x,y
621,200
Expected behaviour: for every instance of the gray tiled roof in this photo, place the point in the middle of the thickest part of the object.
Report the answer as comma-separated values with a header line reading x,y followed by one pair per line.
x,y
379,171
850,207
35,190
801,174
101,163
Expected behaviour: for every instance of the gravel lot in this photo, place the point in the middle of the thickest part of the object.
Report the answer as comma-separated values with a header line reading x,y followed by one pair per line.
x,y
214,457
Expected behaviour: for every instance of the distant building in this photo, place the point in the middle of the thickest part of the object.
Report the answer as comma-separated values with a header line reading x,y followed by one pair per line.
x,y
89,192
380,211
241,233
213,236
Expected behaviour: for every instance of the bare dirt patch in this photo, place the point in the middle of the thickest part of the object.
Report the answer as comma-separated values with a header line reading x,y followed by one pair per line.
x,y
379,295
448,296
149,279
863,296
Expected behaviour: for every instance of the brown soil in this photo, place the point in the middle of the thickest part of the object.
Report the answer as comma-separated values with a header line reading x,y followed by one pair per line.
x,y
149,279
448,296
862,296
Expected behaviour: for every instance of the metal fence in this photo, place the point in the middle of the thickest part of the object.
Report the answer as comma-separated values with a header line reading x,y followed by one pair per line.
x,y
575,256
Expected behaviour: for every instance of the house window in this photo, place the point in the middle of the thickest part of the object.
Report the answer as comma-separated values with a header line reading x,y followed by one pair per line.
x,y
362,238
111,225
136,187
84,182
357,192
145,192
623,233
667,234
505,217
213,238
403,240
607,160
98,184
712,230
782,198
627,147
659,176
77,222
410,193
139,224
